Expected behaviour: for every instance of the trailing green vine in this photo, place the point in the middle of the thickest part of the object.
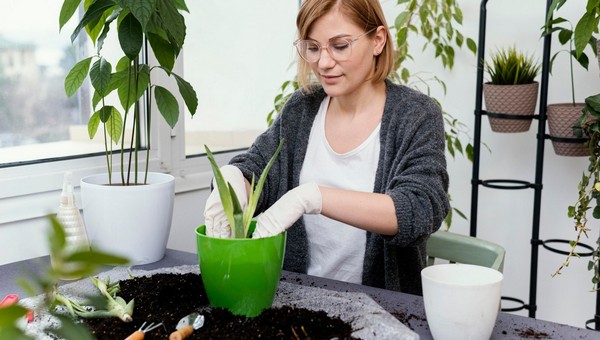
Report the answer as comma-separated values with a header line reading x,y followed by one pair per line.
x,y
587,126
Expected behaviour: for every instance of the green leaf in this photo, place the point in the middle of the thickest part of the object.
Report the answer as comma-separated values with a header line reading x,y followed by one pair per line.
x,y
57,237
142,10
173,21
114,125
571,211
223,188
596,212
10,314
13,333
127,88
76,76
472,45
163,50
93,124
167,105
583,31
564,36
256,191
96,257
93,14
593,102
106,29
187,93
95,27
66,12
401,20
131,36
100,74
237,228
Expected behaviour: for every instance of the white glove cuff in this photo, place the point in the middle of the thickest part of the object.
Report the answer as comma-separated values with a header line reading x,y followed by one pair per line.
x,y
312,199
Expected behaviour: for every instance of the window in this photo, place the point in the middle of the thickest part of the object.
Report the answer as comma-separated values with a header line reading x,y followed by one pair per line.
x,y
237,55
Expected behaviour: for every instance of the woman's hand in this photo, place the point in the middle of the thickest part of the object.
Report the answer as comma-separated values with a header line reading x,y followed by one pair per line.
x,y
303,199
215,219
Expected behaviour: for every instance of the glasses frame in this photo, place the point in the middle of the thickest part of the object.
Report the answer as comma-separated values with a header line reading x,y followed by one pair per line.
x,y
327,46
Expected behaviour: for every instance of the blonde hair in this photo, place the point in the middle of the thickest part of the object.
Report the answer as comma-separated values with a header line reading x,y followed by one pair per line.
x,y
364,13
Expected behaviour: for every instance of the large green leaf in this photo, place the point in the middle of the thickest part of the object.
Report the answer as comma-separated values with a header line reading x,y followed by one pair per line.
x,y
173,21
167,105
100,74
131,36
187,93
142,10
114,125
77,75
163,50
106,29
93,14
593,102
127,87
66,11
95,28
583,31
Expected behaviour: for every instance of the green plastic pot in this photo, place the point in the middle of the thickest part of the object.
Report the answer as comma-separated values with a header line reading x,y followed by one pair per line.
x,y
241,275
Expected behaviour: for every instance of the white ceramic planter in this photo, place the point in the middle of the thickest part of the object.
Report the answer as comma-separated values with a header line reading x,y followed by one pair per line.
x,y
132,221
461,300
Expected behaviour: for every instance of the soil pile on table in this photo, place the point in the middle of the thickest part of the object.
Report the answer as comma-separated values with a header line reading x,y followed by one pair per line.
x,y
166,298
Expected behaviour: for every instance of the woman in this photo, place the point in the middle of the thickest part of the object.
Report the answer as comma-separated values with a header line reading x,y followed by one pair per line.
x,y
361,180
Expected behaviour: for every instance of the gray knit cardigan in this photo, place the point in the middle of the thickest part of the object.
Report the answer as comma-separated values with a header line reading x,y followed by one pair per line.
x,y
411,170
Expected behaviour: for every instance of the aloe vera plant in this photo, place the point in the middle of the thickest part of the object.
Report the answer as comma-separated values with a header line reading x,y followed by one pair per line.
x,y
240,219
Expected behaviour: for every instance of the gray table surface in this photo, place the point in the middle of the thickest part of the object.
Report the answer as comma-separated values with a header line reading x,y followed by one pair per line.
x,y
408,307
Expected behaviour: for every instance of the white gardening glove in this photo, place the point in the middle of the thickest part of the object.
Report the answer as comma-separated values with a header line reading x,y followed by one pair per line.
x,y
215,219
303,199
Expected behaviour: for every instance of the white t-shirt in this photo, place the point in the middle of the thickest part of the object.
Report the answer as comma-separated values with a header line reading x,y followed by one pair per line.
x,y
336,250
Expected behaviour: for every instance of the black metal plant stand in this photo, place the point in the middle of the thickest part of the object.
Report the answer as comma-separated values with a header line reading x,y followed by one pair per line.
x,y
512,184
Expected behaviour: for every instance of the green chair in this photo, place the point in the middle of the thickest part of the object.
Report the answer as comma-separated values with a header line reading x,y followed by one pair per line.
x,y
457,248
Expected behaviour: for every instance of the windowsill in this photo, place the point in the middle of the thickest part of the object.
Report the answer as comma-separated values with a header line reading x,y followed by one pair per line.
x,y
79,144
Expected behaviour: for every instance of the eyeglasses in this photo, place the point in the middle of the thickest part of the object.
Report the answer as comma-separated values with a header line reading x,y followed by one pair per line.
x,y
339,49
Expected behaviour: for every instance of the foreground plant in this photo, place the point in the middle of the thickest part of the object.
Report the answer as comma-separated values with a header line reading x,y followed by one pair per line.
x,y
110,305
66,263
240,219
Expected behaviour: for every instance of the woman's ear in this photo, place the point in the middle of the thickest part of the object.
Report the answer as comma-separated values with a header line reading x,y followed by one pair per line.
x,y
379,40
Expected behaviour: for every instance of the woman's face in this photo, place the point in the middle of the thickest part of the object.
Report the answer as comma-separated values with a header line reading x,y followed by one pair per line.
x,y
343,78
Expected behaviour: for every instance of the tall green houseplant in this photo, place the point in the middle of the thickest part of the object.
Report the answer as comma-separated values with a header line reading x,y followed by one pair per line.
x,y
161,24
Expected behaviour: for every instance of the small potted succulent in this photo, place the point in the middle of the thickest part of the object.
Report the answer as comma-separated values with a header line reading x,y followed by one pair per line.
x,y
240,273
511,90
